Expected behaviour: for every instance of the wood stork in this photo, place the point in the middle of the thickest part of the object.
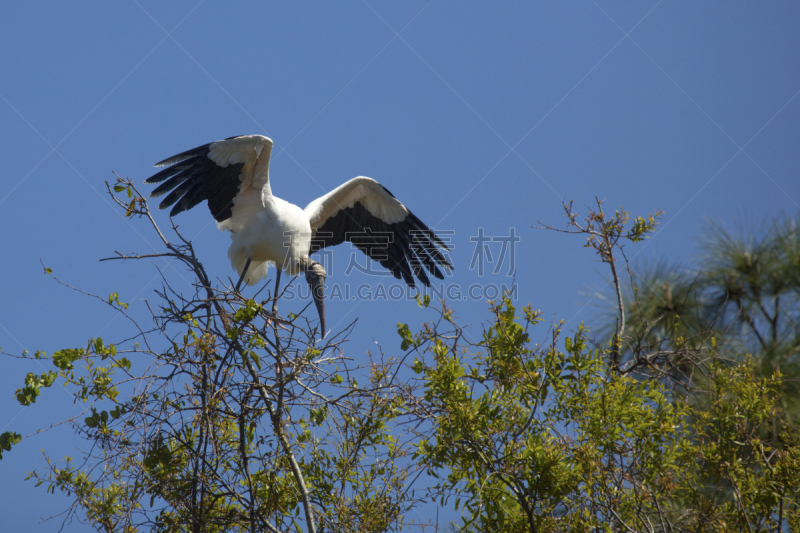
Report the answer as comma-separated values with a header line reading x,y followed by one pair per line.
x,y
233,175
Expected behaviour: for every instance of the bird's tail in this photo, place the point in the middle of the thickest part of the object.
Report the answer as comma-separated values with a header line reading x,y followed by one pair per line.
x,y
255,272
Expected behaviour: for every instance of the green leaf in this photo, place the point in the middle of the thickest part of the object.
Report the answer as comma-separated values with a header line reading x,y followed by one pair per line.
x,y
405,334
248,311
8,439
27,395
63,359
114,299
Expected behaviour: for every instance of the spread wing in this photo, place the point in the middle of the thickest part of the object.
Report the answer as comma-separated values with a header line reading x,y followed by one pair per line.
x,y
217,172
366,214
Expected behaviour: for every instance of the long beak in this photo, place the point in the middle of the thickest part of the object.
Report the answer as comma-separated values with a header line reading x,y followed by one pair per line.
x,y
315,276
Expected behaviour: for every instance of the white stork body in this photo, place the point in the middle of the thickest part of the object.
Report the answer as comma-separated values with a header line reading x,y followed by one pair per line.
x,y
273,231
233,175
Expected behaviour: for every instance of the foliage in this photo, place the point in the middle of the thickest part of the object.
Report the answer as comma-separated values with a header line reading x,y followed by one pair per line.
x,y
743,291
233,419
744,481
749,291
535,439
529,437
225,416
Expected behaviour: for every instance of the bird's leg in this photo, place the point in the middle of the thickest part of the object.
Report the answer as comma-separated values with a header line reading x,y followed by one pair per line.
x,y
277,286
279,364
241,278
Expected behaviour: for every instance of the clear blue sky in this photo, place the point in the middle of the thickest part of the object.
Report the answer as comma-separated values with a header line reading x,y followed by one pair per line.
x,y
476,115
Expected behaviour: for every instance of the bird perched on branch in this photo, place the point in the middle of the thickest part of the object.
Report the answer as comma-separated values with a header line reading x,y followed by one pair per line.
x,y
233,176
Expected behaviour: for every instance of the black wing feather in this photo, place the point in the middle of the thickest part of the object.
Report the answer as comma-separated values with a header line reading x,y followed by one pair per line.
x,y
192,177
410,245
184,172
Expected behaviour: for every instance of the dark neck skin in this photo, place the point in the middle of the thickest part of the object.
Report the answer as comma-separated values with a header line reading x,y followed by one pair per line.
x,y
315,276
